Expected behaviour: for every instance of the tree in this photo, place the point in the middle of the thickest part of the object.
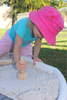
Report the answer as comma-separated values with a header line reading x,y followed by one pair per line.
x,y
1,2
61,4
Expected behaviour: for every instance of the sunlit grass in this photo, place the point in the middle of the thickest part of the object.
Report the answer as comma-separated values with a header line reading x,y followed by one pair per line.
x,y
2,31
63,33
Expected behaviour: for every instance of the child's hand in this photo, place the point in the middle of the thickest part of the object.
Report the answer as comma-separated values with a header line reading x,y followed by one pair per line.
x,y
36,59
20,65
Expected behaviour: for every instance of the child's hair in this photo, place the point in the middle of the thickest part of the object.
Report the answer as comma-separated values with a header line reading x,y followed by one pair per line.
x,y
30,24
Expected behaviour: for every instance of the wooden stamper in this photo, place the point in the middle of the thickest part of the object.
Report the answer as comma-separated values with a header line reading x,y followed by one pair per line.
x,y
22,75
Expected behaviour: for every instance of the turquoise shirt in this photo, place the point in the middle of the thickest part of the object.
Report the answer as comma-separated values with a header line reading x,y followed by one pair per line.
x,y
23,31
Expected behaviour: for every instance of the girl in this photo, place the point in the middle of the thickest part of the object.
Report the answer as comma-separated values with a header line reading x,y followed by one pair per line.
x,y
44,23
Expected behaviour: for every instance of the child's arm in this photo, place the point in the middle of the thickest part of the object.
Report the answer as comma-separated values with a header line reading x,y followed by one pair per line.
x,y
37,49
17,53
17,48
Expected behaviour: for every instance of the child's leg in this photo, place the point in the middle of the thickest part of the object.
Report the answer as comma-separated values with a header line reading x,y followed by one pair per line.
x,y
27,51
6,44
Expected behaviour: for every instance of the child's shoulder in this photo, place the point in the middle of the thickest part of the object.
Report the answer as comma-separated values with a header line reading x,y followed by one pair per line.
x,y
24,20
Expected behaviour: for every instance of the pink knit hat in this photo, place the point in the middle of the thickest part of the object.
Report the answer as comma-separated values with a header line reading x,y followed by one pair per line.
x,y
49,21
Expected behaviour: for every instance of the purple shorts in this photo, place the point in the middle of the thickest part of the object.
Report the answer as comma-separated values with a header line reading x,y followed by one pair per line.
x,y
6,45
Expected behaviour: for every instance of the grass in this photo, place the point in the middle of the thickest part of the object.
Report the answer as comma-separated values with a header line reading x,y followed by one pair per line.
x,y
63,33
53,55
2,32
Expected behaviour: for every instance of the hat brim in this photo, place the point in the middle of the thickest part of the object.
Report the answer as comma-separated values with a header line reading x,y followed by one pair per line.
x,y
47,34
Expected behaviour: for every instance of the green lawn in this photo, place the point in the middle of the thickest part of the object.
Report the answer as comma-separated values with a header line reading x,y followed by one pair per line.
x,y
2,31
53,55
63,33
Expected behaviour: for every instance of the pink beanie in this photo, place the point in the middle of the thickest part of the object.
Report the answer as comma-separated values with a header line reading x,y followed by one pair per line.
x,y
49,21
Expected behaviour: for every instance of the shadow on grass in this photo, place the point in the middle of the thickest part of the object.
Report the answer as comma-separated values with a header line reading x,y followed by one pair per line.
x,y
56,58
61,41
55,45
46,43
